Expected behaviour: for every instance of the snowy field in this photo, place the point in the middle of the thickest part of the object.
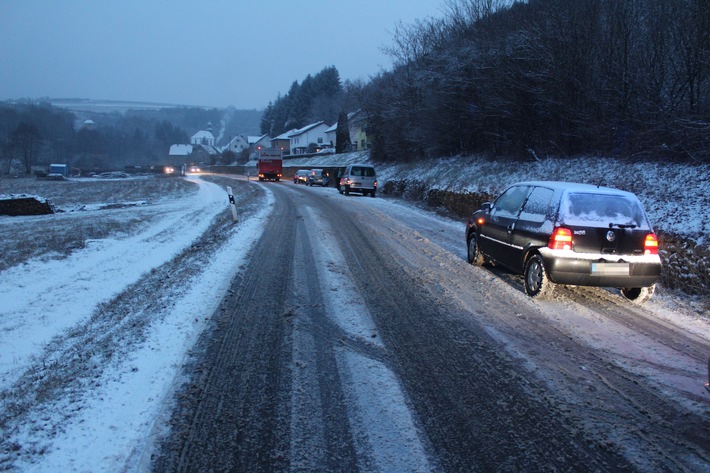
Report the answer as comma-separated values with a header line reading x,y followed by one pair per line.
x,y
47,299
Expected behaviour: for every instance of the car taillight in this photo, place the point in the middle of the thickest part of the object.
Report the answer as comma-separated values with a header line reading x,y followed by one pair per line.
x,y
561,239
650,245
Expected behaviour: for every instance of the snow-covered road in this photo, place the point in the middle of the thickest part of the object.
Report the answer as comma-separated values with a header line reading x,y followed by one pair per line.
x,y
394,344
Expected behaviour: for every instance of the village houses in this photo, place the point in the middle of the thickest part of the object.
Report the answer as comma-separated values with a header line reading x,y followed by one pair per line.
x,y
298,141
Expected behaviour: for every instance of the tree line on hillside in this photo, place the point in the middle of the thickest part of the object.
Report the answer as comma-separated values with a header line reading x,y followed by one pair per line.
x,y
321,97
37,134
547,77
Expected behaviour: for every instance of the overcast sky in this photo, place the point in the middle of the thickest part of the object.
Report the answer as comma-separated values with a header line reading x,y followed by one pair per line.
x,y
202,52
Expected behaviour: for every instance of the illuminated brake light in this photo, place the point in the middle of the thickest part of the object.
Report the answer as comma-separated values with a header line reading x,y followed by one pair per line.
x,y
650,245
561,239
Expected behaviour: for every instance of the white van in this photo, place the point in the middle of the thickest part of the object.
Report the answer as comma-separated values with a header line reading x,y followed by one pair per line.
x,y
358,178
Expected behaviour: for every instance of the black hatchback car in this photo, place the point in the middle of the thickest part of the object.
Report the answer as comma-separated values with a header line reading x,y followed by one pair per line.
x,y
567,233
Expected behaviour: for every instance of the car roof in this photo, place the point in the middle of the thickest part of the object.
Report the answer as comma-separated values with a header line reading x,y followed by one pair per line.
x,y
573,187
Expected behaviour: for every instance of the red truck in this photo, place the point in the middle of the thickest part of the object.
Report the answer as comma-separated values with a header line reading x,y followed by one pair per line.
x,y
270,163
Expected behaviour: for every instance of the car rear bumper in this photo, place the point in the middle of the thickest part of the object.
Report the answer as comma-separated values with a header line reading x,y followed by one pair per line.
x,y
567,267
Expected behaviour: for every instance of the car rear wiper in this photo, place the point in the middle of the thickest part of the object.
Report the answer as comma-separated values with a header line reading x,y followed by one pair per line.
x,y
621,225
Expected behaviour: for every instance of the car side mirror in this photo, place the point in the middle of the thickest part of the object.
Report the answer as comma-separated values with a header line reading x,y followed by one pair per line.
x,y
487,206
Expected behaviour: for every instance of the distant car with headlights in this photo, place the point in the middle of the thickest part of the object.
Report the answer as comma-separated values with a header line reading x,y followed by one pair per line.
x,y
318,177
567,233
194,169
301,176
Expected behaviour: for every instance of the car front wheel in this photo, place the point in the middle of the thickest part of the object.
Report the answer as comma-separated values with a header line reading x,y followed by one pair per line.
x,y
536,281
638,295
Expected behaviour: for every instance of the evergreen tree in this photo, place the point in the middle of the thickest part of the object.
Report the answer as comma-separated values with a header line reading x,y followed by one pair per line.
x,y
342,134
267,120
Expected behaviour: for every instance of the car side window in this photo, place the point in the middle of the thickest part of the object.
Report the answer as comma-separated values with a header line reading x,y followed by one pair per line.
x,y
537,206
509,203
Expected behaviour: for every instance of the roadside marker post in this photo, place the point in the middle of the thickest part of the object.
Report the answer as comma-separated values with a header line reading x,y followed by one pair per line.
x,y
232,204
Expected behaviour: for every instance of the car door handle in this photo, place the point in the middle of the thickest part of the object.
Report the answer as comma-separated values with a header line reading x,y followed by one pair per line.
x,y
510,228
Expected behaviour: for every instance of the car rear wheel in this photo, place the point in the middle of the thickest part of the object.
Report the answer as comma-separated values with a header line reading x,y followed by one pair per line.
x,y
638,295
474,254
536,281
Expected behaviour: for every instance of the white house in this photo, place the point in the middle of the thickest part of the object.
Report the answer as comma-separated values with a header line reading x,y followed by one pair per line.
x,y
237,144
314,133
180,151
203,137
240,142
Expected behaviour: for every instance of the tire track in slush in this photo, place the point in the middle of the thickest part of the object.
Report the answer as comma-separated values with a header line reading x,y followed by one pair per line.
x,y
290,378
383,429
235,409
478,407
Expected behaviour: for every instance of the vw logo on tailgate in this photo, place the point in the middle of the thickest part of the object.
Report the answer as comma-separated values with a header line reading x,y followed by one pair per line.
x,y
610,236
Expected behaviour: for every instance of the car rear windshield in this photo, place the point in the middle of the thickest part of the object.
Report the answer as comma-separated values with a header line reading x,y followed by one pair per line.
x,y
362,171
602,210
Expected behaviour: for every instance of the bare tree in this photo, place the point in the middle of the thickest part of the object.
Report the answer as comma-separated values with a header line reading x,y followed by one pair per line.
x,y
25,140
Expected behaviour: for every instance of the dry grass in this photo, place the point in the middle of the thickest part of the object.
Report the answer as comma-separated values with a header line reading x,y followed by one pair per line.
x,y
58,235
70,193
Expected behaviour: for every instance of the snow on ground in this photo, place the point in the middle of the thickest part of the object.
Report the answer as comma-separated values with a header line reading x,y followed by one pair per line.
x,y
119,410
676,196
38,308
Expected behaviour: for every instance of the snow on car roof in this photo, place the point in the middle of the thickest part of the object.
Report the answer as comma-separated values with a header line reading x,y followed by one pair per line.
x,y
575,187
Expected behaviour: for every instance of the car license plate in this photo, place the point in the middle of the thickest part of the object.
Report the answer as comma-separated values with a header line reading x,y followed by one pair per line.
x,y
610,269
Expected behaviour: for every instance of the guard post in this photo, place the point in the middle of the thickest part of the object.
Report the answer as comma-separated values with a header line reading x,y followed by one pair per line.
x,y
232,204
